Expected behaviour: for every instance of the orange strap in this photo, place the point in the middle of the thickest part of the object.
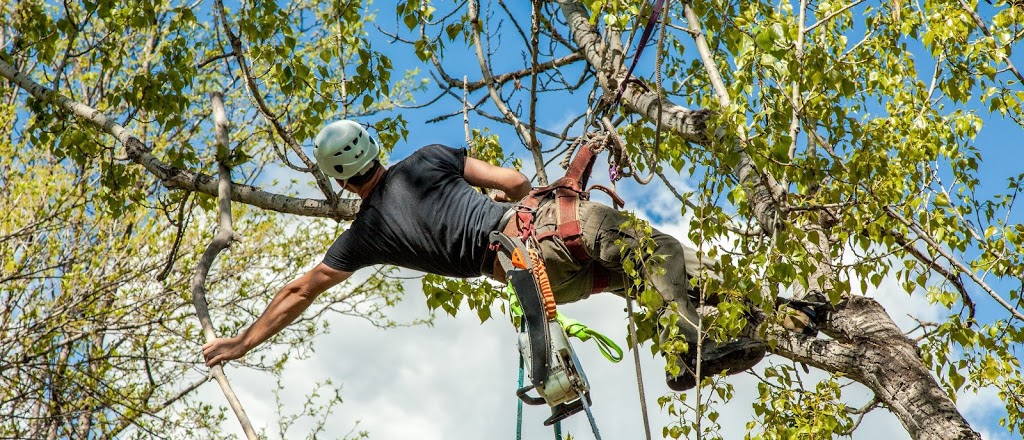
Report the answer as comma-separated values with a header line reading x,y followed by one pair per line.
x,y
541,273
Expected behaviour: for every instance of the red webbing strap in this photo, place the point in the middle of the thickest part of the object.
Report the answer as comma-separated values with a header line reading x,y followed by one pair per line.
x,y
569,228
567,192
525,216
568,196
578,174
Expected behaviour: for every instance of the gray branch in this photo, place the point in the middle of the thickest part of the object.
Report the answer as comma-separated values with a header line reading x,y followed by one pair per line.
x,y
221,241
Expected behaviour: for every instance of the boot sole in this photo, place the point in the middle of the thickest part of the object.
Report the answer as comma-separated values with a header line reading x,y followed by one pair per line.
x,y
732,358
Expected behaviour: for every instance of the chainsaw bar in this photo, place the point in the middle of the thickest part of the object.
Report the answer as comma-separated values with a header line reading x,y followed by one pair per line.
x,y
525,286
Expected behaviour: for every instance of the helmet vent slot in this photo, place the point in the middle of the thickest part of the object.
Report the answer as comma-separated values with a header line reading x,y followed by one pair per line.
x,y
347,148
340,169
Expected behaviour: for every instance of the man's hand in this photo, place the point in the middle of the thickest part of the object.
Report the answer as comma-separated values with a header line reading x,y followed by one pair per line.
x,y
223,350
499,196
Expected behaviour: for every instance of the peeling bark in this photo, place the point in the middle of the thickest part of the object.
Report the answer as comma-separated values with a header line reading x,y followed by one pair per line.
x,y
872,350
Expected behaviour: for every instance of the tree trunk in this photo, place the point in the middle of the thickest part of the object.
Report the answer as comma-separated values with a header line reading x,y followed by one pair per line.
x,y
869,348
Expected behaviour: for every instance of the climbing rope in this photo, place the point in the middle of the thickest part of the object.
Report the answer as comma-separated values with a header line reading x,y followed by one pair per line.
x,y
636,363
590,417
658,55
522,374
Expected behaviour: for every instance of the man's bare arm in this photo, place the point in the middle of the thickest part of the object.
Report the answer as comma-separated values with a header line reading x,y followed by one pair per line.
x,y
513,183
287,305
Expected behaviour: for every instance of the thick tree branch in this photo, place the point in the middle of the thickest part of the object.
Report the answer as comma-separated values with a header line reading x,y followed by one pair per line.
x,y
765,189
177,178
607,63
869,348
872,350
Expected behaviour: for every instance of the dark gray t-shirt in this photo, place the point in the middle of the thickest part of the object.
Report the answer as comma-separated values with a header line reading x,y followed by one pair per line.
x,y
422,215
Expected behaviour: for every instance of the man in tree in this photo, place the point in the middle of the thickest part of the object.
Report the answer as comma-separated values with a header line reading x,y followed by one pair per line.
x,y
424,213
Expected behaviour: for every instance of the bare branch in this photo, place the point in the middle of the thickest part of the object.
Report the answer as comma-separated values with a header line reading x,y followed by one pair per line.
x,y
220,242
254,93
955,262
830,16
531,143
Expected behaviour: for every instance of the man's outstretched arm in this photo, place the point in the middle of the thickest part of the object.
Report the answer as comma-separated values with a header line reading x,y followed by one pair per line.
x,y
287,305
513,183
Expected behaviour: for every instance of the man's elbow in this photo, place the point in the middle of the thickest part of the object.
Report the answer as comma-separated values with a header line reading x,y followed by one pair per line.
x,y
520,187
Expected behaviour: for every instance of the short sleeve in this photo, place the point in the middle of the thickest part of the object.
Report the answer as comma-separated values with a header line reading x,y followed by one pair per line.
x,y
445,158
346,253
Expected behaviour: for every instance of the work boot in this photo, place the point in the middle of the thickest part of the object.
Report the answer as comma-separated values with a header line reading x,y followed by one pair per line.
x,y
731,357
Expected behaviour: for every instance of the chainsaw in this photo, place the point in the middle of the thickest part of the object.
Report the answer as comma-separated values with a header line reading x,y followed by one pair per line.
x,y
554,370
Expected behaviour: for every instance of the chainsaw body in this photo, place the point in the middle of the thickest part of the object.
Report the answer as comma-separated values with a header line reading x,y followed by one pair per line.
x,y
565,383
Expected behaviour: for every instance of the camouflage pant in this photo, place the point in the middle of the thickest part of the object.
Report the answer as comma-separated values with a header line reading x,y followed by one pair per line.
x,y
603,229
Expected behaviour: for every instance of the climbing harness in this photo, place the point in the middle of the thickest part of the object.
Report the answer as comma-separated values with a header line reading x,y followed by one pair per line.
x,y
567,192
546,354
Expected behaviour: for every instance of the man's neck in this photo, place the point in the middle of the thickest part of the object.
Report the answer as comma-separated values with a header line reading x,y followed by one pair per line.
x,y
364,190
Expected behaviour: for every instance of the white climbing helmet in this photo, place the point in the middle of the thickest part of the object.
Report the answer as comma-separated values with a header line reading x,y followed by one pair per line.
x,y
344,149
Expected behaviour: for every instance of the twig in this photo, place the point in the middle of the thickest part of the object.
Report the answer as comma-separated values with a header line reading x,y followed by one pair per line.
x,y
207,61
830,17
172,256
861,412
964,269
465,117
